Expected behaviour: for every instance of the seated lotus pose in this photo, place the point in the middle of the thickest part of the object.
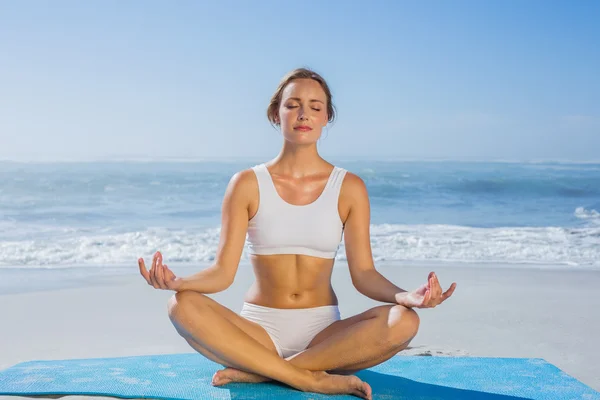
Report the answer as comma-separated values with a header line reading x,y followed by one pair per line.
x,y
293,211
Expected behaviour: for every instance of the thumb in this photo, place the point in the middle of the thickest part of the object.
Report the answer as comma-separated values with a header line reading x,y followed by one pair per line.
x,y
175,283
171,280
169,275
422,289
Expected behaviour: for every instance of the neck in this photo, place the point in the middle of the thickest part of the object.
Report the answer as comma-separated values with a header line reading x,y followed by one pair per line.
x,y
298,161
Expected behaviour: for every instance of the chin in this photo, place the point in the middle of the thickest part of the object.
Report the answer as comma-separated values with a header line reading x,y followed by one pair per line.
x,y
302,137
301,140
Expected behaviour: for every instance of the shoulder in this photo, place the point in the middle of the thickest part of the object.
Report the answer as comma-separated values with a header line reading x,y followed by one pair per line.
x,y
353,185
243,177
353,195
243,183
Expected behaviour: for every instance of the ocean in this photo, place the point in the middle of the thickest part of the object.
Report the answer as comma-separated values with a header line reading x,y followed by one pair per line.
x,y
108,214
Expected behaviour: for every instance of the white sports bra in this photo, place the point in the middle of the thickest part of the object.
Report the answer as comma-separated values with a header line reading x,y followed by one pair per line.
x,y
279,227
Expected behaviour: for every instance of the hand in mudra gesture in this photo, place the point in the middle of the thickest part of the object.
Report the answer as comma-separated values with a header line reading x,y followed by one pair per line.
x,y
428,295
159,276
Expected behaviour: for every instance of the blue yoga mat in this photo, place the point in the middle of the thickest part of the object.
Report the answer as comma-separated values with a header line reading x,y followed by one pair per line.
x,y
188,376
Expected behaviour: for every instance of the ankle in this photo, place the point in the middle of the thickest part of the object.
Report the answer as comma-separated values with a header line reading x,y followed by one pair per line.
x,y
317,379
311,380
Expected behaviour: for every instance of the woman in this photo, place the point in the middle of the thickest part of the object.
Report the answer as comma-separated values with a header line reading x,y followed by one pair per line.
x,y
293,211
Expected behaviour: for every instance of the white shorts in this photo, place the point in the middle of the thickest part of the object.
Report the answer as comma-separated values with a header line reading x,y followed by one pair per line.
x,y
291,330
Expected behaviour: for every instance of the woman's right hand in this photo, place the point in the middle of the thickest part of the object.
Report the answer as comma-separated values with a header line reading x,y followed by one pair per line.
x,y
159,276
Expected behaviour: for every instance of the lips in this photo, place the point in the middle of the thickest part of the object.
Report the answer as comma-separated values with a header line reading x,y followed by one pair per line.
x,y
303,128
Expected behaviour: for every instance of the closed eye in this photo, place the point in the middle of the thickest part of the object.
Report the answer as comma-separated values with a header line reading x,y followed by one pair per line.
x,y
290,107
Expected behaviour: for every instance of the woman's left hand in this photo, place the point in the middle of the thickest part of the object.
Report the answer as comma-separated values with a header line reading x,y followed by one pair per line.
x,y
428,295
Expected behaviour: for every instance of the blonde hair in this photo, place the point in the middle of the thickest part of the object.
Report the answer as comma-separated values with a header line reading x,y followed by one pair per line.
x,y
298,73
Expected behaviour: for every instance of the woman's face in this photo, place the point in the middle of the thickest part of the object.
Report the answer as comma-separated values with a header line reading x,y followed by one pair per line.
x,y
303,111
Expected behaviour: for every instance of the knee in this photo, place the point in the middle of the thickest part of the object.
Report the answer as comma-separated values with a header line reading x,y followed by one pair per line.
x,y
182,304
403,325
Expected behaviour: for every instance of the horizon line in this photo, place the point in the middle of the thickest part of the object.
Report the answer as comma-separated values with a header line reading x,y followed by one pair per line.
x,y
346,158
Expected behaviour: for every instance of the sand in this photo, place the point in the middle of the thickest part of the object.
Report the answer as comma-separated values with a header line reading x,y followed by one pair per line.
x,y
496,311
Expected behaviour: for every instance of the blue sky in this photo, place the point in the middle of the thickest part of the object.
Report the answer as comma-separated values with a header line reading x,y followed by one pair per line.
x,y
191,79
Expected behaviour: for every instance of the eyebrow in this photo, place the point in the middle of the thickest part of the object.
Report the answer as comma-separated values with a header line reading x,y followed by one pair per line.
x,y
311,100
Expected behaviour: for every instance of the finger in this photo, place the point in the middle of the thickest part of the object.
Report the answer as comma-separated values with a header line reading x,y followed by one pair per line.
x,y
160,273
153,277
437,288
426,298
169,277
153,267
143,270
449,292
154,260
427,294
164,275
158,264
433,286
159,279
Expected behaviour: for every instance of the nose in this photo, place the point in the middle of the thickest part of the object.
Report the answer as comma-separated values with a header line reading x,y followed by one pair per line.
x,y
302,115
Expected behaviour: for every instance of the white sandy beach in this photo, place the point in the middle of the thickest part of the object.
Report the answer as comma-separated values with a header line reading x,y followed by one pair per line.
x,y
496,311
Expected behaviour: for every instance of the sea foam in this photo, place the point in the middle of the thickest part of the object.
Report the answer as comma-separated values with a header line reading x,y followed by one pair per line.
x,y
389,242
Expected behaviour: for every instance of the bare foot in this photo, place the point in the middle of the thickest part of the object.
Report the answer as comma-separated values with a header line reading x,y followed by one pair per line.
x,y
341,384
230,375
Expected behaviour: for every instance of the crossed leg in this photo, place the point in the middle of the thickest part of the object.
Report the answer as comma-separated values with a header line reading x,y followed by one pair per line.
x,y
229,339
348,345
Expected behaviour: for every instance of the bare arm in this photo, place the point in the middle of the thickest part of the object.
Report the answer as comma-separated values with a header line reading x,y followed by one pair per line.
x,y
234,225
357,238
360,258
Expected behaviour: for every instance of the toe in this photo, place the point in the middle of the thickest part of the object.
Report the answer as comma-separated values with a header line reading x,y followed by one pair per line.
x,y
218,379
215,378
